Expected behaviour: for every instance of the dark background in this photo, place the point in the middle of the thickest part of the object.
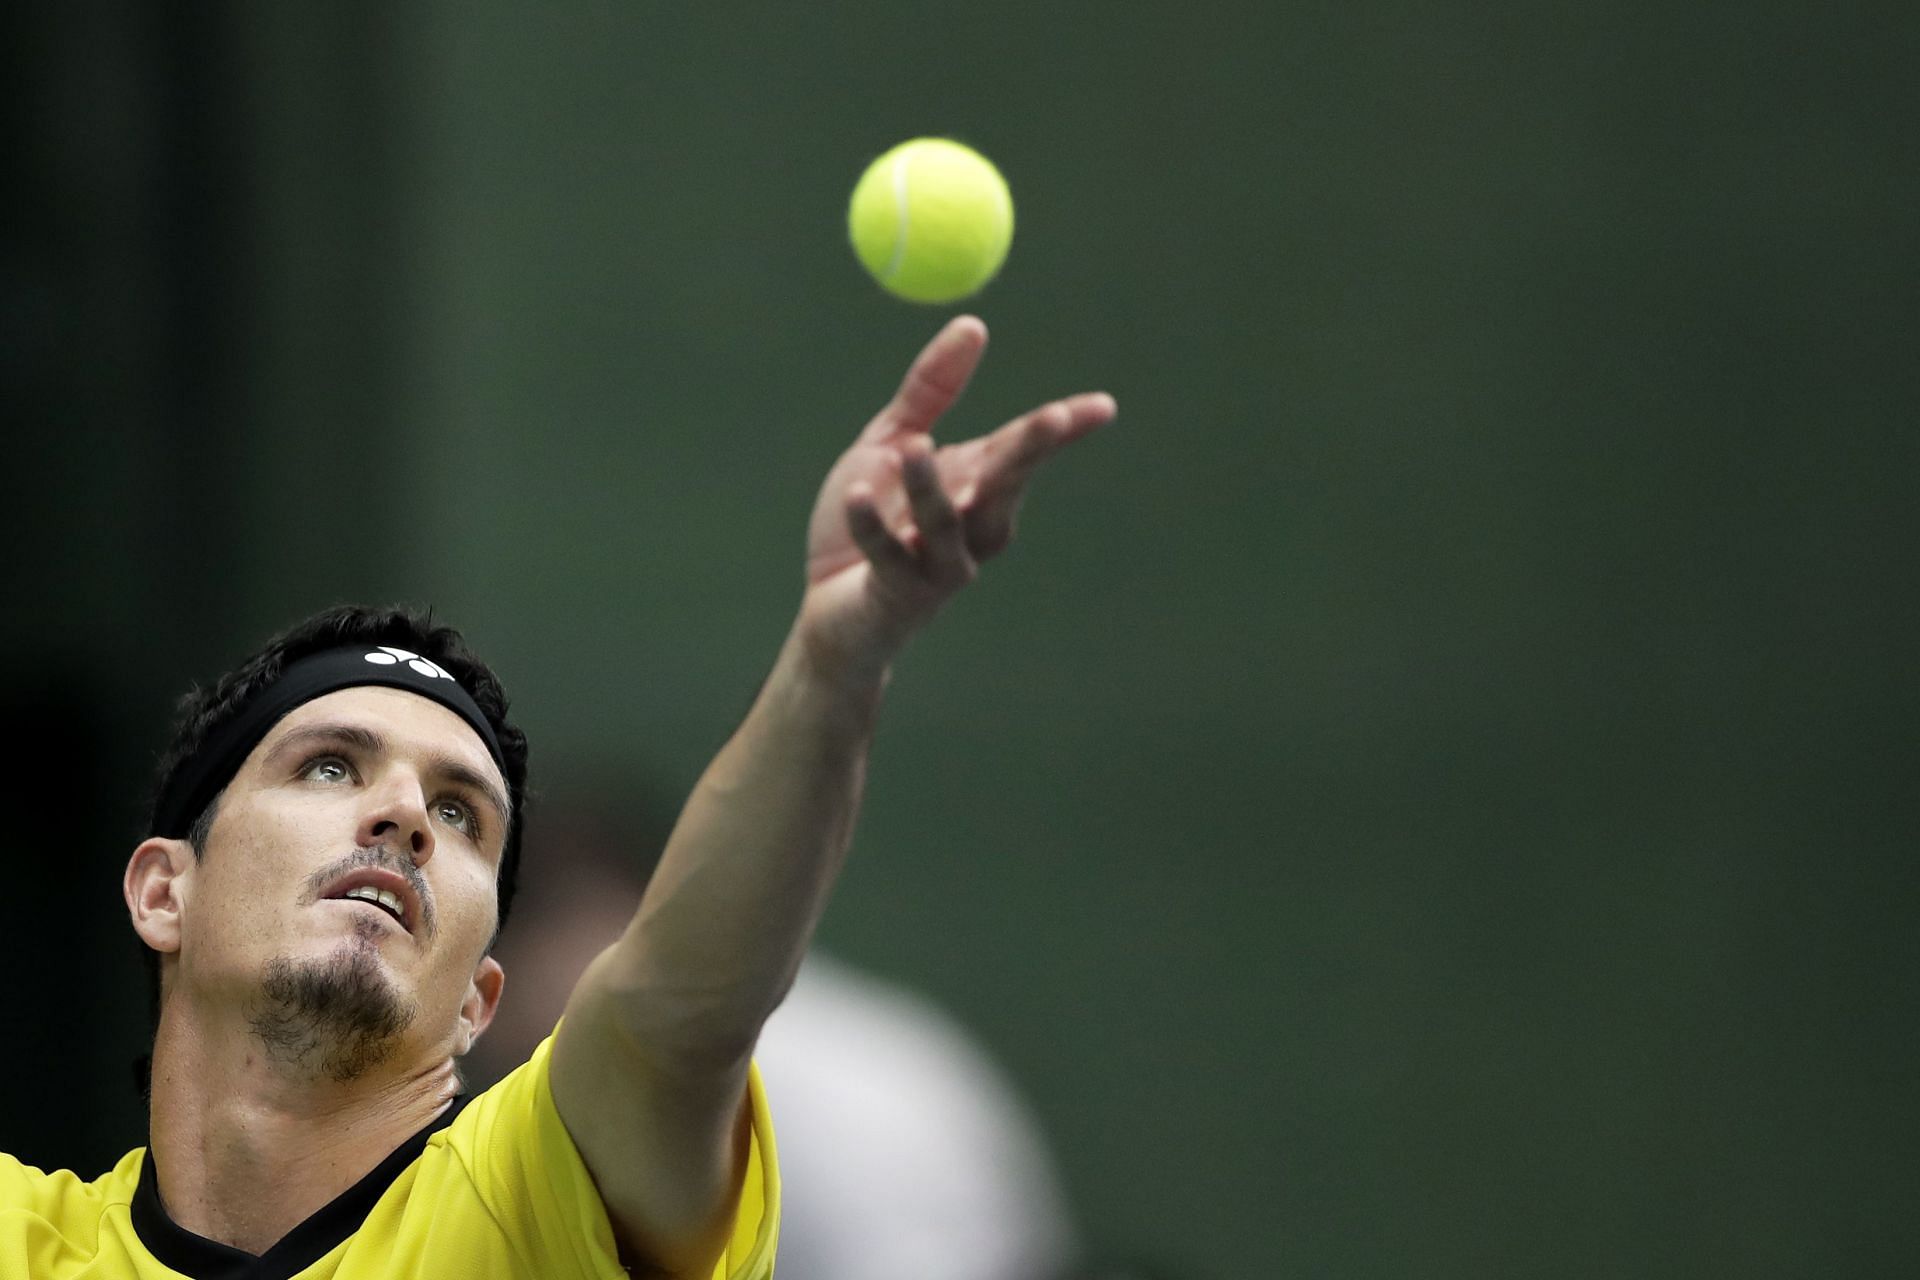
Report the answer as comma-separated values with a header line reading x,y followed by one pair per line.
x,y
1431,791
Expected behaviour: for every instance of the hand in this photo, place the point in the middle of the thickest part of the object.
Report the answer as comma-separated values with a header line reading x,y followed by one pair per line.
x,y
901,525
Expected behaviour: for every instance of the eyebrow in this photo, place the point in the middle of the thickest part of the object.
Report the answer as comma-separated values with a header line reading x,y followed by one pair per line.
x,y
450,767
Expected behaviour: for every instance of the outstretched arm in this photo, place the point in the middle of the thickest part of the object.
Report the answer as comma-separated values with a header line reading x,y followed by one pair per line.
x,y
650,1065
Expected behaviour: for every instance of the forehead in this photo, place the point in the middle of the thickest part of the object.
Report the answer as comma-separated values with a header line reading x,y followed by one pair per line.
x,y
413,725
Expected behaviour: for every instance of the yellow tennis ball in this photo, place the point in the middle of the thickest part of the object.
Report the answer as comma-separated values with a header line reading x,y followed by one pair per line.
x,y
931,220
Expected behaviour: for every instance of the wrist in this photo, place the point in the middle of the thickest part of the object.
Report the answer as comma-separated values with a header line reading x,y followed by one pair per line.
x,y
825,659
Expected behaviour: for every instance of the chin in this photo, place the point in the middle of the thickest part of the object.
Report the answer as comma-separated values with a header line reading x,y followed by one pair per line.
x,y
337,1015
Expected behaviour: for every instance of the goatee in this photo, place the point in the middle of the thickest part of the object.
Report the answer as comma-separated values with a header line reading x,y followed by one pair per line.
x,y
337,1018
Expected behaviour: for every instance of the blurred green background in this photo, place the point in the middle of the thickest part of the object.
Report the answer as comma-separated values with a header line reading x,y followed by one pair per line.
x,y
1431,790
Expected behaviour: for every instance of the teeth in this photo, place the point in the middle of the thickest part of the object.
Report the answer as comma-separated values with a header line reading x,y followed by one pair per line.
x,y
379,897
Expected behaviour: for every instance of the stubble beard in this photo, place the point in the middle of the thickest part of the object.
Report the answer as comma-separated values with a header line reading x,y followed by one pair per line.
x,y
335,1018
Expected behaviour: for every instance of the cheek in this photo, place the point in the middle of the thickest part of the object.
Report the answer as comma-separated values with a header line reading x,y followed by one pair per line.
x,y
234,914
465,930
465,904
247,888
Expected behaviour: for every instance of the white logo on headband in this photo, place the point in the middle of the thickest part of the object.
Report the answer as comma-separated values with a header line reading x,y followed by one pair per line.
x,y
387,656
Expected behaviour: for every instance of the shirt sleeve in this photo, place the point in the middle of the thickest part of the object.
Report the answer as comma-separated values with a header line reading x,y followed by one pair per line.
x,y
534,1184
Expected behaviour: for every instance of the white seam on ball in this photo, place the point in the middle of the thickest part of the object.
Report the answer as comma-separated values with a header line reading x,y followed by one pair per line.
x,y
899,218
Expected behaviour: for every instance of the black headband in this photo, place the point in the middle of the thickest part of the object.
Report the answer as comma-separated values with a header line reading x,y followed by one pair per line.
x,y
202,776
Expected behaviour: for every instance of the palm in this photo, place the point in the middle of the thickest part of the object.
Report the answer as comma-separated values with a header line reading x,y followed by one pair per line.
x,y
900,525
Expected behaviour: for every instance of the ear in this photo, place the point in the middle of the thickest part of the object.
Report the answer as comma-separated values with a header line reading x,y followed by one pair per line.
x,y
483,998
156,889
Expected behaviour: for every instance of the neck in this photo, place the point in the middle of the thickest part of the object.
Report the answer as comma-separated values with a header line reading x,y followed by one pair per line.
x,y
246,1147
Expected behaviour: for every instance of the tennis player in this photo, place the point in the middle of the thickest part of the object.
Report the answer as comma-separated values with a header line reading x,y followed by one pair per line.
x,y
333,853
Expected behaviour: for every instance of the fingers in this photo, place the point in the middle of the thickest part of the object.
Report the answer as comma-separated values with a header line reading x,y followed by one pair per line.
x,y
928,558
944,557
1023,444
945,535
934,381
884,552
1011,455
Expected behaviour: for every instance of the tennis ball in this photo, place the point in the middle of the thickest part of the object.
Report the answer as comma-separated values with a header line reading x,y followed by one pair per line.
x,y
931,220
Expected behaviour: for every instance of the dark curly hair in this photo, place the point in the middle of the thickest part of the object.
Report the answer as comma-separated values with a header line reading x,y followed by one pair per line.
x,y
203,710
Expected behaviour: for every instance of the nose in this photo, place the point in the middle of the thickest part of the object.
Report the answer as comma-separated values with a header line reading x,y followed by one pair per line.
x,y
397,814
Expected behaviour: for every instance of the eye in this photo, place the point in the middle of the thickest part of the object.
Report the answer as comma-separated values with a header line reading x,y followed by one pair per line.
x,y
458,815
327,769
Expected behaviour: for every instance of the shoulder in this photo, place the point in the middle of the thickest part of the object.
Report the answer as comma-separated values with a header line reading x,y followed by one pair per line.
x,y
39,1207
510,1153
22,1185
511,1145
477,1196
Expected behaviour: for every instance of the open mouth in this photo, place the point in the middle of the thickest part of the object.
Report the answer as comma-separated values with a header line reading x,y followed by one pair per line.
x,y
387,892
377,899
381,900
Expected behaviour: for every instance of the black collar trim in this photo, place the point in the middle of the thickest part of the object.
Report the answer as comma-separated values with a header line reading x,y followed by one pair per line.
x,y
203,1259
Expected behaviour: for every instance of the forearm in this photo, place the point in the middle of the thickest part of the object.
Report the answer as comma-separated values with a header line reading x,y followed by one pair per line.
x,y
746,873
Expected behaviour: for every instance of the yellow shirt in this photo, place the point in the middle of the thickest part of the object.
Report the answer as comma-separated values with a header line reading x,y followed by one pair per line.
x,y
493,1189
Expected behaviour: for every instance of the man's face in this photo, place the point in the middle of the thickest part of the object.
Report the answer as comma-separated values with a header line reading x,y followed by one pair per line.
x,y
369,789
